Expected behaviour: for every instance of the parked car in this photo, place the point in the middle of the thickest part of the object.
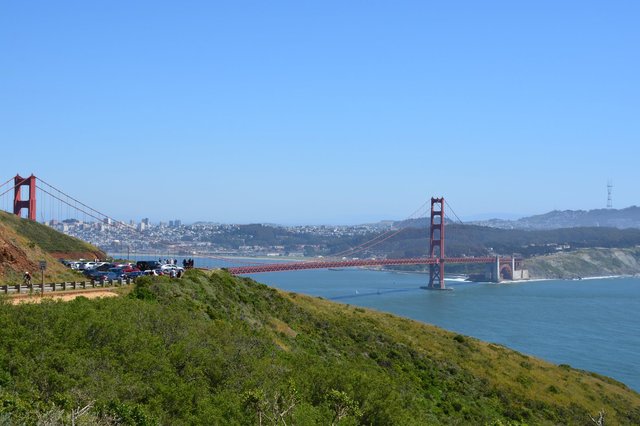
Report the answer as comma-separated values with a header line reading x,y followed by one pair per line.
x,y
73,264
97,270
119,271
105,266
92,273
108,275
86,265
145,265
168,268
134,274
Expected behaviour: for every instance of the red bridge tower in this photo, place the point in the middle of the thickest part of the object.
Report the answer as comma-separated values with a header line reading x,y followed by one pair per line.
x,y
30,203
436,244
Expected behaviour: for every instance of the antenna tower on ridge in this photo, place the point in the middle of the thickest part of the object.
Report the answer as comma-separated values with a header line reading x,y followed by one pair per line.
x,y
609,191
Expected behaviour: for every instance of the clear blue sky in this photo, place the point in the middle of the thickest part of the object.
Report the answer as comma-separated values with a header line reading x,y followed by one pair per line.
x,y
322,112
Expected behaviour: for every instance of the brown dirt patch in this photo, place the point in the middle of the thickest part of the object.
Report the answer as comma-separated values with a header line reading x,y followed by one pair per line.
x,y
65,297
13,257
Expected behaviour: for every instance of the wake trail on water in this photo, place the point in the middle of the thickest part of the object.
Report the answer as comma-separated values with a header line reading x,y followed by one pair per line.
x,y
374,293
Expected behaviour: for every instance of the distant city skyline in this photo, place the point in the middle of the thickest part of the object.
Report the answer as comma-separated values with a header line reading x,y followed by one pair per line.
x,y
327,113
144,223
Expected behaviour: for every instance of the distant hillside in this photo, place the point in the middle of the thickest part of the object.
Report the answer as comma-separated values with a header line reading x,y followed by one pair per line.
x,y
216,349
412,240
614,218
473,240
588,262
24,243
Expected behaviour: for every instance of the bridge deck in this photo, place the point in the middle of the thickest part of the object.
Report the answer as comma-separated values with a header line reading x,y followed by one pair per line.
x,y
295,266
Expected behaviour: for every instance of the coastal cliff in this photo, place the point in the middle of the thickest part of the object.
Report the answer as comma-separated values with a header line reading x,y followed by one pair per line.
x,y
588,262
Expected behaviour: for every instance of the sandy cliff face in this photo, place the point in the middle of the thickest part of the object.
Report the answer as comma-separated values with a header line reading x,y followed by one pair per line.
x,y
586,263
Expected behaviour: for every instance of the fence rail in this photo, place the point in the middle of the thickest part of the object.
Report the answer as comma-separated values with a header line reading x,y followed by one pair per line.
x,y
15,289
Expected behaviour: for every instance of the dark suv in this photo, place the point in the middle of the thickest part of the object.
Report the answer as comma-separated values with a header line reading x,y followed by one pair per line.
x,y
145,265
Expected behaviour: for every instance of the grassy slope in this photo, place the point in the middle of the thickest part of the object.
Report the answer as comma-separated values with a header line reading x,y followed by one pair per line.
x,y
48,239
24,243
196,351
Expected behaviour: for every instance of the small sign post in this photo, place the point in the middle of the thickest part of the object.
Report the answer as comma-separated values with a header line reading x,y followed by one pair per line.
x,y
43,267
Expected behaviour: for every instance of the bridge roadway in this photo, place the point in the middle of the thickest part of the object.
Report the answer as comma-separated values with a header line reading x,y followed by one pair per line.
x,y
324,264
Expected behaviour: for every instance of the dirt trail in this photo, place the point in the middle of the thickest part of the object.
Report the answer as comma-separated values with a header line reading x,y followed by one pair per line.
x,y
66,296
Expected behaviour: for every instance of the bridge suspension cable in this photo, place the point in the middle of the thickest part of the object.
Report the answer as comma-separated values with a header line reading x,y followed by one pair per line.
x,y
384,236
90,211
13,187
95,214
418,213
453,212
5,198
6,183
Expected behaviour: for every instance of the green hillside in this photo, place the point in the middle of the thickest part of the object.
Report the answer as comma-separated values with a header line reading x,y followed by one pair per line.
x,y
215,349
24,243
48,239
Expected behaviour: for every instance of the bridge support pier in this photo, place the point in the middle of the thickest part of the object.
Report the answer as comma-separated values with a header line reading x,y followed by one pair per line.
x,y
436,245
436,277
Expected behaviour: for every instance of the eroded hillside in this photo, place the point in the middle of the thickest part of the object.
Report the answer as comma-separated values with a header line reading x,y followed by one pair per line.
x,y
24,243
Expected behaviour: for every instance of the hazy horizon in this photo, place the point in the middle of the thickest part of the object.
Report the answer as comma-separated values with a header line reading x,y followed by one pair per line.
x,y
373,221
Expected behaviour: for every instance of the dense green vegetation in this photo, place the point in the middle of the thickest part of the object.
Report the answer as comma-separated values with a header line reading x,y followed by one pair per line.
x,y
215,349
48,239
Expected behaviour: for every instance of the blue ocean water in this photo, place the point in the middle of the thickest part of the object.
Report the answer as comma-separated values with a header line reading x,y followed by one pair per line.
x,y
591,324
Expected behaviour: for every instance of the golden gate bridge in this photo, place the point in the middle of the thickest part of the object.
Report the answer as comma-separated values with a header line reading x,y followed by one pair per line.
x,y
25,195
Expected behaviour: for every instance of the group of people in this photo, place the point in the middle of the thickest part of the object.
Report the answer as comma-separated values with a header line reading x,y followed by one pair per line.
x,y
186,263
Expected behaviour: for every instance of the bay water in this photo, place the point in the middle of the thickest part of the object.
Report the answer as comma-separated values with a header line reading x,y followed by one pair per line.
x,y
590,324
